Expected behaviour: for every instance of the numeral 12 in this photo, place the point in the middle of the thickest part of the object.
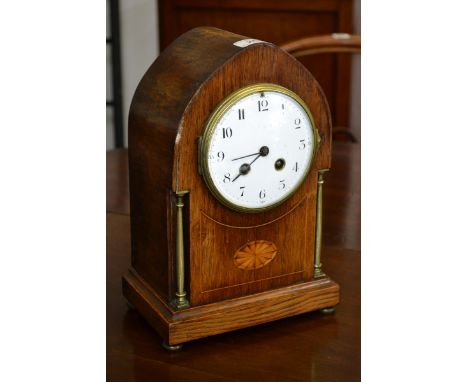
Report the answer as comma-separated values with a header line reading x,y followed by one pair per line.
x,y
263,105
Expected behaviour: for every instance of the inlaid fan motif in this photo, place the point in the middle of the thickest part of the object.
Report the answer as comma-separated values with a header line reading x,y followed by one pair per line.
x,y
255,254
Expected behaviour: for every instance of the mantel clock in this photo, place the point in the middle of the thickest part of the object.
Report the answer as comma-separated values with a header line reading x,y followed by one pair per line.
x,y
229,138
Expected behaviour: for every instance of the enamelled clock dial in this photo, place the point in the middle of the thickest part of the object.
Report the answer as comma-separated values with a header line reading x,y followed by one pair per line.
x,y
257,147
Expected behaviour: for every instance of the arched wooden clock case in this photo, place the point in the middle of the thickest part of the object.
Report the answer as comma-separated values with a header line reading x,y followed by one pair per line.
x,y
186,278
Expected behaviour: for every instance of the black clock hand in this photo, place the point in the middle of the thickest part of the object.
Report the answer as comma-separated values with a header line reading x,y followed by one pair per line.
x,y
236,177
245,156
245,168
258,156
263,152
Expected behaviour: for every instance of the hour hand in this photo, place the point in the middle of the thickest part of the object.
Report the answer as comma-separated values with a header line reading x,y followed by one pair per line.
x,y
243,170
264,150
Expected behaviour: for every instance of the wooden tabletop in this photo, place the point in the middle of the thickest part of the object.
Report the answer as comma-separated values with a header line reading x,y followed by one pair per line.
x,y
309,347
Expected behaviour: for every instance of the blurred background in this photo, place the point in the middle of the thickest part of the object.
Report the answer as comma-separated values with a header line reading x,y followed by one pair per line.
x,y
137,30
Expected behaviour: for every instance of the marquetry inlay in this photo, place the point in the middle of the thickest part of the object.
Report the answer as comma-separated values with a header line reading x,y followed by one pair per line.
x,y
255,254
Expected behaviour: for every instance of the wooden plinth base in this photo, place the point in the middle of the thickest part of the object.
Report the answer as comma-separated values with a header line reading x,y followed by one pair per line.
x,y
202,321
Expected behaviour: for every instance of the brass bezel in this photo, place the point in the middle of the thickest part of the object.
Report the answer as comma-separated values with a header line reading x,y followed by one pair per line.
x,y
215,117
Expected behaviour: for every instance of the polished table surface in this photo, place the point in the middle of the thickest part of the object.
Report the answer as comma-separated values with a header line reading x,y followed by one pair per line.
x,y
309,347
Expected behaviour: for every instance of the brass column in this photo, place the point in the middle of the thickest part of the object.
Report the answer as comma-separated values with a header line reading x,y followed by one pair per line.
x,y
181,295
318,226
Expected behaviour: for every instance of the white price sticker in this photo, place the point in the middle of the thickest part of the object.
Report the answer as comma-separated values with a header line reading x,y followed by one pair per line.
x,y
247,42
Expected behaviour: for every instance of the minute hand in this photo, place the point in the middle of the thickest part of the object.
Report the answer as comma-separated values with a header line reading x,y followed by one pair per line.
x,y
245,156
258,156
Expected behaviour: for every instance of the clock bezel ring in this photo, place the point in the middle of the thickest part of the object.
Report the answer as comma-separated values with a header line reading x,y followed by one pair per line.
x,y
213,121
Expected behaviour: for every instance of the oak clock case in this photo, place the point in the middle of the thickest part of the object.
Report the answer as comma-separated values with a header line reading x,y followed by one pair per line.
x,y
206,260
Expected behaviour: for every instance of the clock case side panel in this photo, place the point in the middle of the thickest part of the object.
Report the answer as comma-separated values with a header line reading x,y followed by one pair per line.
x,y
155,115
257,63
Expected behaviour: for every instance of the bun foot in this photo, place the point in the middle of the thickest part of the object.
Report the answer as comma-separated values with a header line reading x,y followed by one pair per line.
x,y
329,310
166,346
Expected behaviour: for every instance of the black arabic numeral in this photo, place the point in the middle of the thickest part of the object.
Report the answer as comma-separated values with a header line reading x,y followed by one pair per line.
x,y
262,194
242,188
296,167
227,132
282,185
241,114
263,105
303,145
220,156
297,122
227,178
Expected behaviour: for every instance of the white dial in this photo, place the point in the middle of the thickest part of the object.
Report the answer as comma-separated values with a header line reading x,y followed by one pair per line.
x,y
258,147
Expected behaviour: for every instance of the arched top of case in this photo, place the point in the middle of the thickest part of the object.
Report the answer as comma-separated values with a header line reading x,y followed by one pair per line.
x,y
185,84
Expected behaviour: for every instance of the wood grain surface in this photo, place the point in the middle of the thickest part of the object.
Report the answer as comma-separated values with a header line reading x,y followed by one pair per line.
x,y
202,321
278,22
307,347
167,118
255,254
